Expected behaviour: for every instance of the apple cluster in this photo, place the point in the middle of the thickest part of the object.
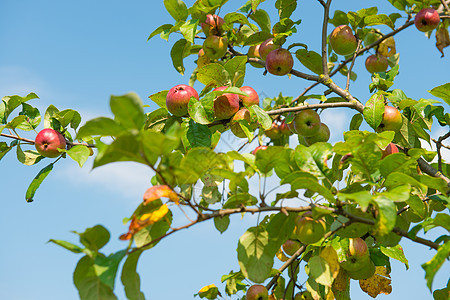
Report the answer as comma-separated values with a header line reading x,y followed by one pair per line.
x,y
309,128
279,61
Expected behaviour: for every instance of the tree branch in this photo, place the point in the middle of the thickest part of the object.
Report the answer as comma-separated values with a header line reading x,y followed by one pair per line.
x,y
326,12
353,105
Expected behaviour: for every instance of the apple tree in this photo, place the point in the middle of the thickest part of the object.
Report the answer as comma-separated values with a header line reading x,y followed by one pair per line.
x,y
345,207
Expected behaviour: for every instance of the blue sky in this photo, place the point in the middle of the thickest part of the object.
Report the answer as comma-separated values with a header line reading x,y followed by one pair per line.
x,y
75,55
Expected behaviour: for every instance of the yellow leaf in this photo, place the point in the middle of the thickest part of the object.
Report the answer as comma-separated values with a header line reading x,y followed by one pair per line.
x,y
379,283
155,215
442,39
206,288
387,47
330,255
281,255
159,191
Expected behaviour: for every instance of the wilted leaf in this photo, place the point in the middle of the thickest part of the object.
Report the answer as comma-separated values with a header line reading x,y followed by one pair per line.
x,y
380,283
442,39
159,191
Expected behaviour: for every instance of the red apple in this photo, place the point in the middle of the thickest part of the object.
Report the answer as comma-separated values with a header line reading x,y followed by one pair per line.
x,y
259,148
342,40
253,52
257,292
225,105
290,247
252,97
358,247
266,47
279,62
213,25
307,122
215,46
391,148
427,19
323,135
177,99
376,63
203,59
285,129
48,141
392,120
236,129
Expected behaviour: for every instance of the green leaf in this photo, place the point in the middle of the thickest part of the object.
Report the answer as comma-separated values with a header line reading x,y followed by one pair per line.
x,y
196,135
387,215
374,110
255,3
68,116
160,98
255,255
339,18
214,73
221,223
280,228
195,163
199,113
241,199
69,246
319,270
94,238
235,17
257,38
34,185
10,103
50,112
189,29
128,110
236,70
356,121
106,267
153,232
4,148
28,157
88,284
310,59
381,19
285,8
261,115
436,262
79,153
261,17
395,253
442,91
123,148
162,28
33,117
130,277
15,122
303,180
211,194
177,9
101,126
178,52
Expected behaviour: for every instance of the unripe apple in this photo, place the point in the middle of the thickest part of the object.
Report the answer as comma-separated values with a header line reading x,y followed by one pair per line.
x,y
308,230
252,97
284,128
427,19
203,59
213,25
253,52
48,141
215,46
307,122
323,135
391,148
266,47
236,129
279,62
364,271
292,127
259,148
342,40
290,247
376,63
392,120
257,292
358,247
225,105
177,99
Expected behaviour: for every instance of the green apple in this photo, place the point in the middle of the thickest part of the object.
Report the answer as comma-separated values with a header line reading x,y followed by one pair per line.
x,y
48,141
365,271
279,62
215,46
376,63
290,247
236,129
251,99
257,292
225,105
427,19
307,122
266,47
203,59
253,52
342,40
392,120
178,97
323,135
309,230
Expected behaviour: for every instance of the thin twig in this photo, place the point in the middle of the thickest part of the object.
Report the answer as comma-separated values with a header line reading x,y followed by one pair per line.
x,y
353,105
326,12
347,86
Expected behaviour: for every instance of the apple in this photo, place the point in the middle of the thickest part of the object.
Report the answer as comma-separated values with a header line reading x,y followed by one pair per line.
x,y
392,120
307,122
215,46
290,247
273,133
279,62
358,247
225,105
48,141
322,136
236,129
253,52
203,59
257,292
252,97
391,148
266,47
376,63
308,230
426,19
342,40
177,99
213,25
365,270
285,129
292,127
357,255
259,148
